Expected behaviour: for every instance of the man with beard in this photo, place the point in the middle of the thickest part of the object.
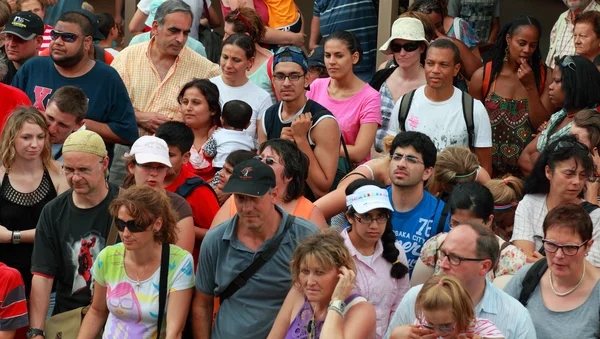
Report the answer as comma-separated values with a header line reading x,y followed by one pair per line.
x,y
109,113
155,71
23,40
416,216
561,36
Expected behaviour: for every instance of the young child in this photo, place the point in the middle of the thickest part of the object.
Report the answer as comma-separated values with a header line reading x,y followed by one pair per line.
x,y
444,308
106,26
231,137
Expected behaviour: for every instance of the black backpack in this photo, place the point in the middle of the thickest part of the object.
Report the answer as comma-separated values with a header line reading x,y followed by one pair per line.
x,y
184,190
467,105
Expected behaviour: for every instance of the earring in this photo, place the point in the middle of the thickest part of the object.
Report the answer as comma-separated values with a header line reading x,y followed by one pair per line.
x,y
506,51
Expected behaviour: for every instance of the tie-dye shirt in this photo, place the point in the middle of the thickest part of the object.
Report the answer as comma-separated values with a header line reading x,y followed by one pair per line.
x,y
134,309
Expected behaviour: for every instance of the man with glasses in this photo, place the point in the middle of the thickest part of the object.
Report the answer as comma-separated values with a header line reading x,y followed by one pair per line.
x,y
23,40
468,253
109,113
417,214
447,115
311,126
77,221
250,310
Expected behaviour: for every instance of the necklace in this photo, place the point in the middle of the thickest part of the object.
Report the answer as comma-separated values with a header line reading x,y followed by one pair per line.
x,y
311,327
137,283
569,291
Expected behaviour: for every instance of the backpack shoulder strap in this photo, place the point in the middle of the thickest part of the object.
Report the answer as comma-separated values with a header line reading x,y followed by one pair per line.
x,y
467,105
532,279
380,77
443,217
189,186
405,103
589,207
487,75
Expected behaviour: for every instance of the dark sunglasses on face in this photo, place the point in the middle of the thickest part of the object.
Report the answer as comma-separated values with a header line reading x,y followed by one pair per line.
x,y
131,225
408,47
66,37
267,160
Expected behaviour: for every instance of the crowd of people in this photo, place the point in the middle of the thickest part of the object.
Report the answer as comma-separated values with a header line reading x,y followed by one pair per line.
x,y
262,184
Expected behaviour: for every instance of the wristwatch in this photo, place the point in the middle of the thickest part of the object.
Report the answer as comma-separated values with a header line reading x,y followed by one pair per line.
x,y
32,332
338,306
16,237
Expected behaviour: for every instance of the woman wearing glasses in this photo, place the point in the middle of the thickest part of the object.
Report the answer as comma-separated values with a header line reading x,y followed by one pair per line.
x,y
558,177
574,83
469,202
322,302
444,309
566,298
381,264
127,275
29,179
237,58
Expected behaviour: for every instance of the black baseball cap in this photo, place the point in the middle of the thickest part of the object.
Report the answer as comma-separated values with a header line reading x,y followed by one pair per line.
x,y
96,35
317,58
251,177
25,25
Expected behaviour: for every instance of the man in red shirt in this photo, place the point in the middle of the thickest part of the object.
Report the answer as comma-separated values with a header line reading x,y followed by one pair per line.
x,y
13,306
203,200
11,99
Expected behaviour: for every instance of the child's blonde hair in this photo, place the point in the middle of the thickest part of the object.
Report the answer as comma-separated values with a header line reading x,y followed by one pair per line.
x,y
446,293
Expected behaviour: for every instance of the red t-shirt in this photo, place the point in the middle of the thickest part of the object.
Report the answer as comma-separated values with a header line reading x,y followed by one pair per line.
x,y
13,305
11,98
203,202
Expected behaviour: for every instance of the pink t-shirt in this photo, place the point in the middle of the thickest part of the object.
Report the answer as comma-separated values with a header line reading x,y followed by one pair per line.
x,y
482,327
364,107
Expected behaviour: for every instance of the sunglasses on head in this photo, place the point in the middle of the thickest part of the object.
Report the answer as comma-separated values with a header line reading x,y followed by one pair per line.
x,y
131,226
66,37
408,47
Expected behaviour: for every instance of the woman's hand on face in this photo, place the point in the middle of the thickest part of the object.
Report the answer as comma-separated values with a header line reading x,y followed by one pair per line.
x,y
525,75
412,332
596,158
345,284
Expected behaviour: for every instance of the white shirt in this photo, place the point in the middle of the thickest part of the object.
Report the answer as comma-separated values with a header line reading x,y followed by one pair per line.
x,y
443,121
228,141
250,93
149,7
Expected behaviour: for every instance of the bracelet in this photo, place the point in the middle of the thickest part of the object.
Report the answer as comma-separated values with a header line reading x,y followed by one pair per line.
x,y
337,309
16,237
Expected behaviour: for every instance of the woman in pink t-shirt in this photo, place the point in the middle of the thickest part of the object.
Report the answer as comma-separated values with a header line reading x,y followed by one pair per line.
x,y
355,105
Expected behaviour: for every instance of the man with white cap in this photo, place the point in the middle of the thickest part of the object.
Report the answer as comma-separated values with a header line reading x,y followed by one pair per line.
x,y
23,40
72,230
260,230
147,164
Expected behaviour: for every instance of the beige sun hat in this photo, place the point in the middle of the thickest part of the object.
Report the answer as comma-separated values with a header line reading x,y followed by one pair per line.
x,y
410,29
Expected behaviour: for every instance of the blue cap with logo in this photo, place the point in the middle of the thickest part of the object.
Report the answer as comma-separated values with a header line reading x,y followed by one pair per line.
x,y
291,54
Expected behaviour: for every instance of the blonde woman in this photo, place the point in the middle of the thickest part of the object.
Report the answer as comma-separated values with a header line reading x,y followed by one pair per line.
x,y
507,193
29,179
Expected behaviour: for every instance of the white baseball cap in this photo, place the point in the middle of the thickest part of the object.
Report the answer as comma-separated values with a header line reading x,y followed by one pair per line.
x,y
150,149
368,198
410,29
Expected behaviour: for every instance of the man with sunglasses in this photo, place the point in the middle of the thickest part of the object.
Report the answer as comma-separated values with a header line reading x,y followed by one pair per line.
x,y
23,40
311,126
72,229
250,310
468,253
109,113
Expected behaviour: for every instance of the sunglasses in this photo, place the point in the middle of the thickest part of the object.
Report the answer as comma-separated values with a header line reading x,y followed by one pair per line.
x,y
133,228
66,37
267,160
568,62
408,47
571,145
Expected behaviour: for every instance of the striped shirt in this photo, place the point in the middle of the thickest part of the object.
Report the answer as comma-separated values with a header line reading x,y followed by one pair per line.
x,y
509,316
150,93
13,306
356,16
561,37
46,37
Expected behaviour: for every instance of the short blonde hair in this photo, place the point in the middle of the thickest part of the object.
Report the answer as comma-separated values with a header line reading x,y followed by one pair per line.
x,y
455,165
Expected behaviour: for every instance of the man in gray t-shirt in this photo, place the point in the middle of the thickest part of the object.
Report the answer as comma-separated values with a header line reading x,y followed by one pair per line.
x,y
231,247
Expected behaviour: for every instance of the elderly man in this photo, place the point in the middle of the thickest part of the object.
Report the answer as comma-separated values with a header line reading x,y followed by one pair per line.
x,y
74,225
250,310
561,36
469,252
23,40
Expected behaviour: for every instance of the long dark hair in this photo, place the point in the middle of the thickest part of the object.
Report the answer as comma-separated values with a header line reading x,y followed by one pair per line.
x,y
388,239
295,164
499,49
580,82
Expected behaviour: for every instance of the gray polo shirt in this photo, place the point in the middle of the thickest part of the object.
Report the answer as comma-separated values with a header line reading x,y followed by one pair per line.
x,y
251,311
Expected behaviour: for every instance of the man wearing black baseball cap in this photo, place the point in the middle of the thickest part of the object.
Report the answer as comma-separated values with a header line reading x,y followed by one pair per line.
x,y
259,227
23,41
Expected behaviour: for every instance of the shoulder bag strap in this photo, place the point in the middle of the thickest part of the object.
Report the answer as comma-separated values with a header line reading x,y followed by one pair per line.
x,y
487,75
258,262
532,279
162,286
404,108
443,217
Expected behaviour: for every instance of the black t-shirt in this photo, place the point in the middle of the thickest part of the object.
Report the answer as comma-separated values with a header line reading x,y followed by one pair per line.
x,y
67,240
11,67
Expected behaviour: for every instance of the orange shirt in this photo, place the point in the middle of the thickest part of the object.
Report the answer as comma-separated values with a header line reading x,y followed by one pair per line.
x,y
303,209
282,13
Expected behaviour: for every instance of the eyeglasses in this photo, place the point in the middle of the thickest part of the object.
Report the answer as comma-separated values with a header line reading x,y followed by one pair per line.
x,y
411,159
293,77
568,62
66,37
267,160
408,47
570,250
570,144
131,226
454,259
79,171
367,219
444,329
148,167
